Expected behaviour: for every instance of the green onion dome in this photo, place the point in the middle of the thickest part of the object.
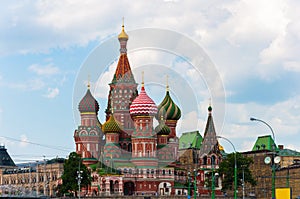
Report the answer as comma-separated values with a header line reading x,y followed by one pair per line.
x,y
111,126
168,109
88,103
162,128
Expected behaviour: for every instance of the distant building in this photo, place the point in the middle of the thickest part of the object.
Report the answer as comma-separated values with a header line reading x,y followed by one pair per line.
x,y
31,179
287,169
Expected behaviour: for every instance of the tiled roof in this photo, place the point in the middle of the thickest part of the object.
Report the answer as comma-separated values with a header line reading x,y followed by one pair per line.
x,y
288,152
190,140
5,159
263,143
88,103
123,72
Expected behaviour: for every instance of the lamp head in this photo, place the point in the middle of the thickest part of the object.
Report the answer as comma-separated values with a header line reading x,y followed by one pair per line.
x,y
252,119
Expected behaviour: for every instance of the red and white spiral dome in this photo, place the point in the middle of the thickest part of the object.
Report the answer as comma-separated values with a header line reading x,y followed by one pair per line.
x,y
143,105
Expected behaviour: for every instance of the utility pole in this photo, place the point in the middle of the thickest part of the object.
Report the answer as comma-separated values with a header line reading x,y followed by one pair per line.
x,y
195,183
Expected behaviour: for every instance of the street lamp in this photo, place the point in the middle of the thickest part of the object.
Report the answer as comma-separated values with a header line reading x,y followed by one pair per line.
x,y
189,188
235,166
195,183
273,161
213,184
79,177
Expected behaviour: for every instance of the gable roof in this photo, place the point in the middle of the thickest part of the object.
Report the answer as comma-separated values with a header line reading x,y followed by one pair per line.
x,y
190,140
5,159
264,143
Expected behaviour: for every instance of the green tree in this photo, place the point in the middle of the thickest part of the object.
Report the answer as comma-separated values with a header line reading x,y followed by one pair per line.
x,y
226,169
69,177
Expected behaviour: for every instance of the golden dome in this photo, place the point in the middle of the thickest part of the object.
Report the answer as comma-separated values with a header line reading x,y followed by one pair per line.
x,y
123,34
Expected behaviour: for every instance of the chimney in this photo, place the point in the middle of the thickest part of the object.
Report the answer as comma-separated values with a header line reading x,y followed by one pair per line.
x,y
280,146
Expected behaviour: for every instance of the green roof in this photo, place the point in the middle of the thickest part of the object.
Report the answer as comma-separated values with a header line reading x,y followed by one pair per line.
x,y
288,152
264,143
190,140
123,164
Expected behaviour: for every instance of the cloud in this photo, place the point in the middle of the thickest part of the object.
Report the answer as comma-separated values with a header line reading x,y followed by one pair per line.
x,y
29,85
44,70
52,93
24,141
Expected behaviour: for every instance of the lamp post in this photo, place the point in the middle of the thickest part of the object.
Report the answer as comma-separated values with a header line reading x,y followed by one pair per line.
x,y
235,166
195,183
273,154
189,187
79,177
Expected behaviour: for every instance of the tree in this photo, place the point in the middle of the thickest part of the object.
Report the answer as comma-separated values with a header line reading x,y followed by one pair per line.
x,y
69,177
226,169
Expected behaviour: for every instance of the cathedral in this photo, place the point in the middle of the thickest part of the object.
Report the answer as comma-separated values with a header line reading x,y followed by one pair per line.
x,y
136,157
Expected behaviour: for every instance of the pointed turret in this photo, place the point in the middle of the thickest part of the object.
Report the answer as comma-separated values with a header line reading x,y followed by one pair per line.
x,y
210,152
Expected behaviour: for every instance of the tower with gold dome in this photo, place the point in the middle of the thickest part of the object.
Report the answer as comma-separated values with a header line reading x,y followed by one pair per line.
x,y
123,90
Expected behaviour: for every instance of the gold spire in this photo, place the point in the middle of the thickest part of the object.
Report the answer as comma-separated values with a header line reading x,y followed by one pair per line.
x,y
142,78
167,87
123,34
88,84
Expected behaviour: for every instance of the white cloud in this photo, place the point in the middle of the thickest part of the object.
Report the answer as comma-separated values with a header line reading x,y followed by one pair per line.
x,y
44,70
29,85
283,117
24,141
52,93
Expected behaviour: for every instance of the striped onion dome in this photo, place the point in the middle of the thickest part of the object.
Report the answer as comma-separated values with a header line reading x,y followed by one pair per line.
x,y
111,126
168,109
162,128
88,103
143,105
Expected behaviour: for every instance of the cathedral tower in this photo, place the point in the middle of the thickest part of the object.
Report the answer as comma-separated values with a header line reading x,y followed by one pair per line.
x,y
142,111
88,136
170,113
123,90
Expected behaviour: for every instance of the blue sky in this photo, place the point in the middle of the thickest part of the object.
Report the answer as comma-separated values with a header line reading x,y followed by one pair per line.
x,y
45,46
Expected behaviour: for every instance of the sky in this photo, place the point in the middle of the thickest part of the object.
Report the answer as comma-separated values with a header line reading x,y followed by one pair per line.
x,y
242,57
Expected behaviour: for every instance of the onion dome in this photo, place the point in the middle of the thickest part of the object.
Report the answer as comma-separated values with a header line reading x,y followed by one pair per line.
x,y
143,105
111,126
123,34
162,128
88,103
168,109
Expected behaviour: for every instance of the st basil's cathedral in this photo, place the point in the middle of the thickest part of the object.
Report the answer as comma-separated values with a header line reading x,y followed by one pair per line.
x,y
137,158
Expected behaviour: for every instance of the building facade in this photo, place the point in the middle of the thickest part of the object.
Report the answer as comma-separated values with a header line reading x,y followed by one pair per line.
x,y
32,179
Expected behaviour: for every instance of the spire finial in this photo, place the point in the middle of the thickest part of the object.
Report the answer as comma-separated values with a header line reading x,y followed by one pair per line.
x,y
167,86
142,78
209,107
123,22
88,84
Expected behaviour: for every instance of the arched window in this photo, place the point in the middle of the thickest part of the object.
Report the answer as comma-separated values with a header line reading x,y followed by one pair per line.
x,y
205,160
213,160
